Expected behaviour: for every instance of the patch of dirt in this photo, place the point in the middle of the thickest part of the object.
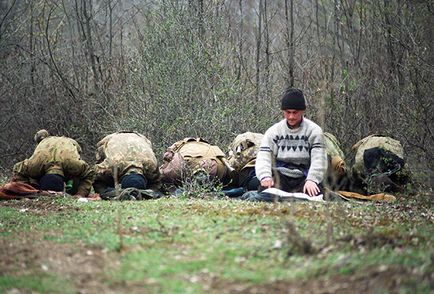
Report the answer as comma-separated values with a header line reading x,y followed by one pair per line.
x,y
391,238
41,206
87,268
83,266
382,279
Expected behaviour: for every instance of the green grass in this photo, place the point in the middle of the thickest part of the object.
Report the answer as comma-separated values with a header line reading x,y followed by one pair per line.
x,y
179,245
37,282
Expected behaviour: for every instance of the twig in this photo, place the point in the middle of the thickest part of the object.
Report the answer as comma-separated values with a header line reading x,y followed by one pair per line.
x,y
119,214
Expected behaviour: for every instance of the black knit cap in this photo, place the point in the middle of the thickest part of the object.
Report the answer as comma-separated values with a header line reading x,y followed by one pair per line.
x,y
133,180
293,99
51,182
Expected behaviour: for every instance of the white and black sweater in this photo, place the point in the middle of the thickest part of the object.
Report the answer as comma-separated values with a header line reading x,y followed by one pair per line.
x,y
302,146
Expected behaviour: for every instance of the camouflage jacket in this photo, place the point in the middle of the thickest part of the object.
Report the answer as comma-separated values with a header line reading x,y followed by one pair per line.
x,y
56,155
372,141
243,150
337,164
190,155
127,152
333,147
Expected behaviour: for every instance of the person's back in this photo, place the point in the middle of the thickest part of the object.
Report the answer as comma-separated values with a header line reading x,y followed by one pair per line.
x,y
190,156
244,149
53,155
56,150
337,177
242,157
54,161
379,164
128,156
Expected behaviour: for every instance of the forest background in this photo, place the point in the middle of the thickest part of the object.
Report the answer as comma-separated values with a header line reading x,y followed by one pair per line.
x,y
215,68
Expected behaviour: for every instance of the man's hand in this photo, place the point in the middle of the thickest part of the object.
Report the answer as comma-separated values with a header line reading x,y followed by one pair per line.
x,y
267,182
310,188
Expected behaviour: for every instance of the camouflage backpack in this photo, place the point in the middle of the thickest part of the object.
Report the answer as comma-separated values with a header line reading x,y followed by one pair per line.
x,y
337,166
191,155
379,164
244,149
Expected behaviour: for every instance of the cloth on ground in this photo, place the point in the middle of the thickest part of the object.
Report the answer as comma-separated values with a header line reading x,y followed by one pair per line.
x,y
374,197
274,194
19,190
130,194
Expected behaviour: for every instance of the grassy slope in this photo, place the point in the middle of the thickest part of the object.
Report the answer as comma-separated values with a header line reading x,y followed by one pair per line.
x,y
194,246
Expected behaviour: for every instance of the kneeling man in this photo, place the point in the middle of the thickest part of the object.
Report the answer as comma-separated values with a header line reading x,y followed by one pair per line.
x,y
292,156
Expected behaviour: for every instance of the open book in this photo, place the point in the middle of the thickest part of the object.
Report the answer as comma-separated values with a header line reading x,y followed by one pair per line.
x,y
288,196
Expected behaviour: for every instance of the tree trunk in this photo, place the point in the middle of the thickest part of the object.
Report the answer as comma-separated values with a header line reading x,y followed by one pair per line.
x,y
289,17
258,49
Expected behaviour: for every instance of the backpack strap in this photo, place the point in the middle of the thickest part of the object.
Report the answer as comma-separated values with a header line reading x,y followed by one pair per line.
x,y
178,145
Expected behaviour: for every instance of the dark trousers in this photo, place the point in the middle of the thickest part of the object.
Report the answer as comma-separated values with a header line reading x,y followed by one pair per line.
x,y
248,180
290,184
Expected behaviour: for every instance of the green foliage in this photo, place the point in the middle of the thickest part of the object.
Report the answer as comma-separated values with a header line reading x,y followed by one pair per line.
x,y
201,186
179,83
172,80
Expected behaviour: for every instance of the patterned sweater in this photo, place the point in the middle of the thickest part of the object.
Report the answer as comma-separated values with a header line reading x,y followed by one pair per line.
x,y
298,151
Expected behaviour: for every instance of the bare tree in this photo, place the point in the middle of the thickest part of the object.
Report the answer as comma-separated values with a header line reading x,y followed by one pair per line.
x,y
173,68
289,18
